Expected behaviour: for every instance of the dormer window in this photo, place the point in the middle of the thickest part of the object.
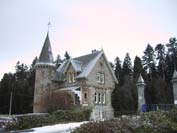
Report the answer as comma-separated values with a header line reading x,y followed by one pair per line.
x,y
100,78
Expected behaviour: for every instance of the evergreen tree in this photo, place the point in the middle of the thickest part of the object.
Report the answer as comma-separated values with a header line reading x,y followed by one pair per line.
x,y
21,84
127,91
160,50
127,65
116,101
67,56
169,68
6,86
58,61
137,69
118,70
172,50
148,59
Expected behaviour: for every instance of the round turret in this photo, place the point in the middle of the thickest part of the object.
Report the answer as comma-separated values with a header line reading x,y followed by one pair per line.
x,y
44,72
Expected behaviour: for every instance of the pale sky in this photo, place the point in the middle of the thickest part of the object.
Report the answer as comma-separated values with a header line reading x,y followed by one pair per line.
x,y
79,26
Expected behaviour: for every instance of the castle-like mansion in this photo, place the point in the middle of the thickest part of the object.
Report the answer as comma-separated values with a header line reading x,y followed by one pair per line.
x,y
88,78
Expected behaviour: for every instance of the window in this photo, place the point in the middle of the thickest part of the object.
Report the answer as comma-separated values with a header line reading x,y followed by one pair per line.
x,y
100,78
99,98
71,77
96,97
85,97
103,98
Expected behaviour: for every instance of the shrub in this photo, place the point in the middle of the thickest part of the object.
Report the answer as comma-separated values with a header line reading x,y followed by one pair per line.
x,y
31,121
151,122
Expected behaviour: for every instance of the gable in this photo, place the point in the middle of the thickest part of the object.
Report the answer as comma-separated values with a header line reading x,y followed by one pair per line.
x,y
102,66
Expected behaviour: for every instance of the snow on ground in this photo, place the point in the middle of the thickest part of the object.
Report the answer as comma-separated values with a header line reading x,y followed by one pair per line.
x,y
58,128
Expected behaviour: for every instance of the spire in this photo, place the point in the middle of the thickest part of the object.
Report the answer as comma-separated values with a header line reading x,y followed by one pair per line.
x,y
46,55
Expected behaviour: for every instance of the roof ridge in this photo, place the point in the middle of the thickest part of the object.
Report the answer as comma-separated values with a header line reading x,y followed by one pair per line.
x,y
87,55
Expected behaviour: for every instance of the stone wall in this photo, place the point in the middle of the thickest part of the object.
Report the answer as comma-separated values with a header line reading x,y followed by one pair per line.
x,y
101,67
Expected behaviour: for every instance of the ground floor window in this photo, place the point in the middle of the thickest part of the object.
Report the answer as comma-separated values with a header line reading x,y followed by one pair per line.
x,y
85,97
100,98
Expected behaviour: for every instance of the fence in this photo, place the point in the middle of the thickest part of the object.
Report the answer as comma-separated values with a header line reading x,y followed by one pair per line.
x,y
149,107
165,107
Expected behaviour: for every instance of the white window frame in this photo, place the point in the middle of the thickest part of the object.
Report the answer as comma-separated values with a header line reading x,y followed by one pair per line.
x,y
103,98
69,77
73,77
99,98
96,97
100,78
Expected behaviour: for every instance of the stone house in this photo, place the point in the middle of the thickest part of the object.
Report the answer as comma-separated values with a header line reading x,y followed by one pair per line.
x,y
89,79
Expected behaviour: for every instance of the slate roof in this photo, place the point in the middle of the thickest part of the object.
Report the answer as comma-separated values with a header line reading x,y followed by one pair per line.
x,y
46,55
83,65
80,64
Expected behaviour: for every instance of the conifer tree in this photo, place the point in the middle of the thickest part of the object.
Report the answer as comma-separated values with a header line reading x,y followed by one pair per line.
x,y
58,60
160,50
67,56
118,70
127,65
138,68
148,59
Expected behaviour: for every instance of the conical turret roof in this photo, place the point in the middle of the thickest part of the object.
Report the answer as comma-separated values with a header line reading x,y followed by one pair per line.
x,y
46,55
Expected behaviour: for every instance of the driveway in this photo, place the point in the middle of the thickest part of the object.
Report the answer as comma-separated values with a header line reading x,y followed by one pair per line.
x,y
58,128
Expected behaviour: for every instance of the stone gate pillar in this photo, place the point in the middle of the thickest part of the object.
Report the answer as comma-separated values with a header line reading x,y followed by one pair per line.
x,y
141,99
174,83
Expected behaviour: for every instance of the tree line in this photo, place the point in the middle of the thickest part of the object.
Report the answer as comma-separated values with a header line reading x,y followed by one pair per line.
x,y
156,67
21,84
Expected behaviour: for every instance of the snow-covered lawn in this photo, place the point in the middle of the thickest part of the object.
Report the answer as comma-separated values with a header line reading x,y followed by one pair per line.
x,y
58,128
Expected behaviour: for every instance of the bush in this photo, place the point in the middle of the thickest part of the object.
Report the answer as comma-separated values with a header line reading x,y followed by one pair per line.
x,y
151,122
31,121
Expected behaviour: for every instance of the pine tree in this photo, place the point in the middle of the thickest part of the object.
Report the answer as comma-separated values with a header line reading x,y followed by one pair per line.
x,y
116,101
137,69
67,56
172,50
148,59
58,61
127,65
118,70
160,50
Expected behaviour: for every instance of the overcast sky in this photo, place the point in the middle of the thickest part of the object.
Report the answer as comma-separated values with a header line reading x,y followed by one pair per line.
x,y
78,26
